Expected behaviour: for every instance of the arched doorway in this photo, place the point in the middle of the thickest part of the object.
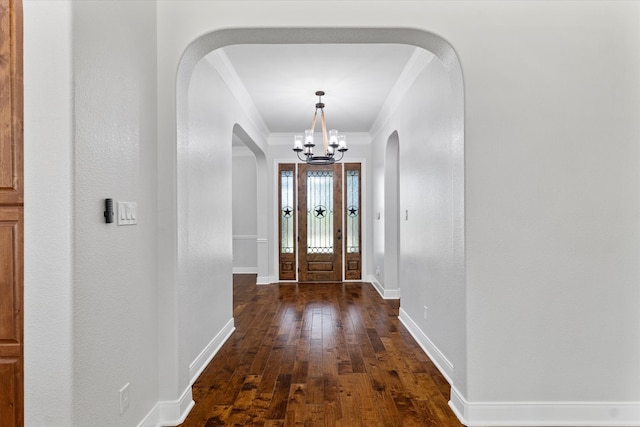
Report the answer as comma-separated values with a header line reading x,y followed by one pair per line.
x,y
177,163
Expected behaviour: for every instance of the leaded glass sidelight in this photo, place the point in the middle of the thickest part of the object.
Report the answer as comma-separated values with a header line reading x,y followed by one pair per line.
x,y
320,212
353,221
287,212
353,211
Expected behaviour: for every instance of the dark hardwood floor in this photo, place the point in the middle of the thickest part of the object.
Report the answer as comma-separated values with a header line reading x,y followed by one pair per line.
x,y
319,355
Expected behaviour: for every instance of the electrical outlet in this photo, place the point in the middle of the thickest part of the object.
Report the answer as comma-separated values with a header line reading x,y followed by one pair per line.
x,y
378,271
425,312
125,398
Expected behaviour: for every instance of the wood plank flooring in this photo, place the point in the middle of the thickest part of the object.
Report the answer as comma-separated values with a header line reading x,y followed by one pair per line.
x,y
318,355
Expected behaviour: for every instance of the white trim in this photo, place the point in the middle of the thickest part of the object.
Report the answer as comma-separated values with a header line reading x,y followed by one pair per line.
x,y
263,280
245,270
416,64
246,237
274,279
202,360
437,357
544,413
169,412
384,293
220,62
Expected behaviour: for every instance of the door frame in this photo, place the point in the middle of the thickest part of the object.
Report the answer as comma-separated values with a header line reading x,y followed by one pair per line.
x,y
364,226
304,259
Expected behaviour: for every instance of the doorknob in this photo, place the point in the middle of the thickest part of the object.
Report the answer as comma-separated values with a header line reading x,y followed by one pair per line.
x,y
339,234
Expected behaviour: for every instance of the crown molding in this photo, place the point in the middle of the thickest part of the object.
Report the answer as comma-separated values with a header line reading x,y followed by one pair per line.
x,y
416,64
221,63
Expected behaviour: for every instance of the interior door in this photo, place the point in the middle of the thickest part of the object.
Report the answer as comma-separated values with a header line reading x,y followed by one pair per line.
x,y
11,215
320,223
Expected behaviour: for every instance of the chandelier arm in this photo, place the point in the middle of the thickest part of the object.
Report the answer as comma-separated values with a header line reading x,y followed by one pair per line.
x,y
313,123
300,158
341,156
325,140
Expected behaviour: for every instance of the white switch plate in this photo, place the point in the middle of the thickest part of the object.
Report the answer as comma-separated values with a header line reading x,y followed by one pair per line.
x,y
127,213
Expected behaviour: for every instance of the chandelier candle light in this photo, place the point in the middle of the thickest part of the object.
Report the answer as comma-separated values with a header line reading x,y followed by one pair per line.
x,y
331,143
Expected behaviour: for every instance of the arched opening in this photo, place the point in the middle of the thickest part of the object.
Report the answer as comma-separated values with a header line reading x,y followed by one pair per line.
x,y
180,302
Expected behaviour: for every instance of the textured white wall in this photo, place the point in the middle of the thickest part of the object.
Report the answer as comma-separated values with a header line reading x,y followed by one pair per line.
x,y
431,259
48,329
115,270
206,295
205,232
552,175
245,210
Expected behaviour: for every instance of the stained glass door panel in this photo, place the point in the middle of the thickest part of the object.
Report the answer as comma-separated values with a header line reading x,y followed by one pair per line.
x,y
287,221
320,222
353,222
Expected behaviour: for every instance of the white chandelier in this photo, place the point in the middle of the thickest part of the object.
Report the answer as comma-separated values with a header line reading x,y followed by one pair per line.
x,y
331,143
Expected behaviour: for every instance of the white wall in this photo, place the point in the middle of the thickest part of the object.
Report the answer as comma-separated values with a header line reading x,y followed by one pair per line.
x,y
114,292
48,119
431,253
245,210
552,177
90,307
205,233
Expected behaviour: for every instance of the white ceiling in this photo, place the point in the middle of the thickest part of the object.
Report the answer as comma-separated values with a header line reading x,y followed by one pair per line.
x,y
282,81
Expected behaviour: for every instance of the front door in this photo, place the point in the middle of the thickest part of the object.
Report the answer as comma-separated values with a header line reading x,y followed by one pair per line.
x,y
320,223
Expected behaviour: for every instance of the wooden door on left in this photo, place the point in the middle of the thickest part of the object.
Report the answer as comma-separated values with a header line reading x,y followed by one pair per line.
x,y
11,216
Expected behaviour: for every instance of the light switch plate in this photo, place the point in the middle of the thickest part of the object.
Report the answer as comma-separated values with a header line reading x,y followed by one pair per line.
x,y
127,213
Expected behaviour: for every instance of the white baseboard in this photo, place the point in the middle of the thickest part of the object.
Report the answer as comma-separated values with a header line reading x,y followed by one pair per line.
x,y
384,293
173,413
273,279
169,413
516,414
260,280
477,414
436,356
199,363
245,270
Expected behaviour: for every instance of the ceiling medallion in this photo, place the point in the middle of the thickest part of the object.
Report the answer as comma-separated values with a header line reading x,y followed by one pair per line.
x,y
331,143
